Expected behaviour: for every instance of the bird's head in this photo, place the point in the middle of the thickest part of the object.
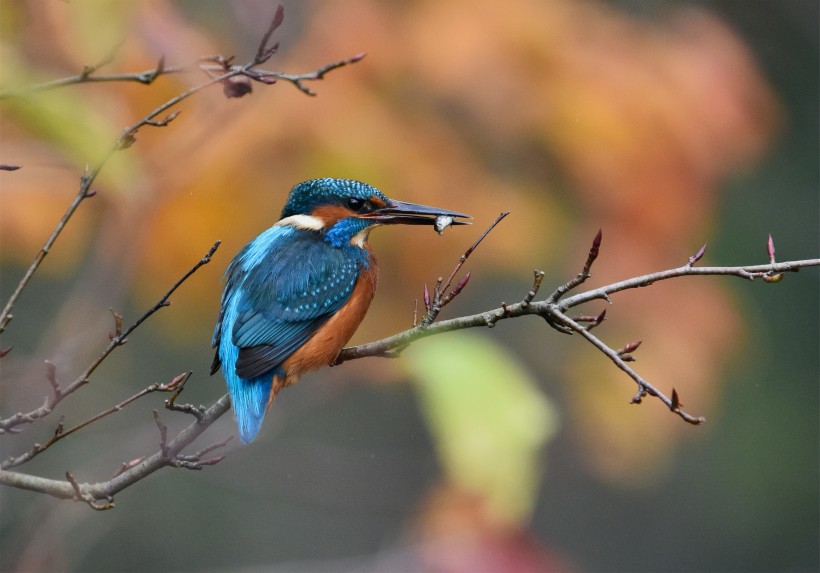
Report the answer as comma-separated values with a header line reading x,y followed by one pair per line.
x,y
346,210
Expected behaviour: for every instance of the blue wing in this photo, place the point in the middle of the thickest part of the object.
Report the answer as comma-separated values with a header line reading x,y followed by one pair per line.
x,y
280,289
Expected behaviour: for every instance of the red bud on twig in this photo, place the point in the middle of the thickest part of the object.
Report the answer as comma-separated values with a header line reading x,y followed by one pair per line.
x,y
631,347
593,254
697,256
676,404
770,248
175,382
461,284
596,246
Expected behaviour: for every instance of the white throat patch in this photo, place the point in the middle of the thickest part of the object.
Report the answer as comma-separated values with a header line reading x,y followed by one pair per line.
x,y
306,222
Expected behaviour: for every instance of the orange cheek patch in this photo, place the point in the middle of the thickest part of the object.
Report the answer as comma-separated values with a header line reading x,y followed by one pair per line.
x,y
330,214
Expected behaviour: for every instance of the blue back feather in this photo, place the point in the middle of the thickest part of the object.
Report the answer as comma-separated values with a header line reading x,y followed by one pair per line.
x,y
279,290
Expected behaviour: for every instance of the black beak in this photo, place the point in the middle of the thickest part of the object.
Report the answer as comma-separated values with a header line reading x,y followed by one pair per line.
x,y
397,212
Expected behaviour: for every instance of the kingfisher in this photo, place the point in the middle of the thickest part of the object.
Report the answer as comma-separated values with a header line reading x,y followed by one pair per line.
x,y
296,293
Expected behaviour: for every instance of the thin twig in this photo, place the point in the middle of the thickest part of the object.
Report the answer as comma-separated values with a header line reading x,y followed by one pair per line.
x,y
60,434
440,295
298,80
128,135
107,489
60,393
553,313
581,277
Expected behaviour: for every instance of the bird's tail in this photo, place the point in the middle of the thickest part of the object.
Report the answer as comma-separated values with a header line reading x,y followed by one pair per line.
x,y
250,402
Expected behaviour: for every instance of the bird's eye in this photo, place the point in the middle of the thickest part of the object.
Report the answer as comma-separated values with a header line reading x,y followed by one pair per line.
x,y
358,205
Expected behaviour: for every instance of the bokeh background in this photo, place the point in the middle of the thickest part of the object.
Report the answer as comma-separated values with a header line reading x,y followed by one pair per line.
x,y
666,123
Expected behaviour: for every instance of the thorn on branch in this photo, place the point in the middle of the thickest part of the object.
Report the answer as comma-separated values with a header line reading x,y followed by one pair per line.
x,y
5,167
5,351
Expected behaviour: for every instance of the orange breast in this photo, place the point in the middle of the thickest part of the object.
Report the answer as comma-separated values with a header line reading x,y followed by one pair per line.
x,y
323,347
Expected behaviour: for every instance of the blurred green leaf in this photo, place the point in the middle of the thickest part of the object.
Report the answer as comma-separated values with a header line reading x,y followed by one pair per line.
x,y
488,419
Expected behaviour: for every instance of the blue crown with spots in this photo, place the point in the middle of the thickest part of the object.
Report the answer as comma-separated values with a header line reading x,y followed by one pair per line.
x,y
308,195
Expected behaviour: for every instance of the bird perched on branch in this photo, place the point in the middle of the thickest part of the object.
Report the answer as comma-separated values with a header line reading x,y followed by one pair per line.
x,y
296,293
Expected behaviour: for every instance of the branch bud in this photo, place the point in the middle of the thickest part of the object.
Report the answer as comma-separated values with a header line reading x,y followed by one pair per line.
x,y
676,404
461,284
770,248
698,255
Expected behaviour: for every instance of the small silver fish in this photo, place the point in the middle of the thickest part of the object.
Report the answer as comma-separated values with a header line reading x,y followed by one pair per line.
x,y
442,222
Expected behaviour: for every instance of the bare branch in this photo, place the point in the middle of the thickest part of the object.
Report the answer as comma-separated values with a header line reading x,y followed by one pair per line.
x,y
145,77
298,80
118,339
440,295
102,492
553,312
